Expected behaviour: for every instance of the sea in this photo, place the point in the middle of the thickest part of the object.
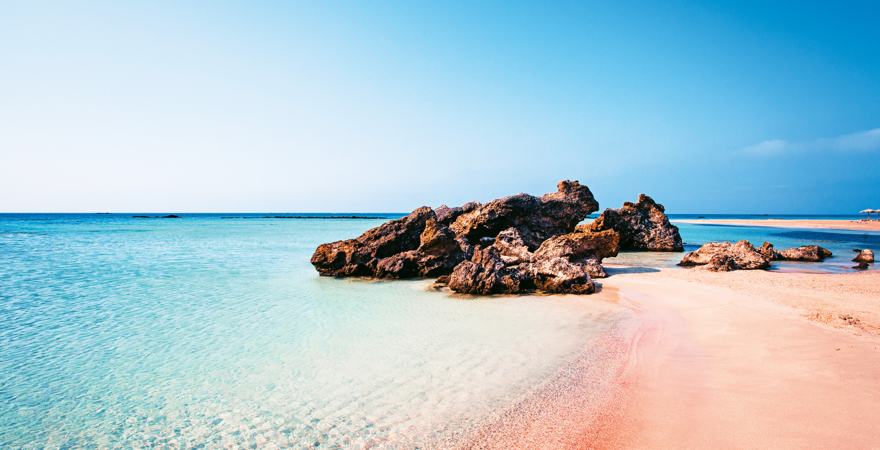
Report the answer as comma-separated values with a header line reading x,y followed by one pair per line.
x,y
213,330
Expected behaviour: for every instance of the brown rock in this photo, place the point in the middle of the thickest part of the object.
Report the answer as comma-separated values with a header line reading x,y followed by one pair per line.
x,y
561,276
439,250
511,247
485,273
359,257
721,263
447,215
865,256
809,253
642,226
578,245
726,256
537,219
413,246
769,251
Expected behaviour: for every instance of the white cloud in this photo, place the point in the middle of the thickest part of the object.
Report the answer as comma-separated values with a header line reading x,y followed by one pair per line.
x,y
766,148
863,141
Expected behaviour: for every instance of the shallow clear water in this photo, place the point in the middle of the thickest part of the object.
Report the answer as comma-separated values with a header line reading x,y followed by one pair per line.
x,y
129,332
146,332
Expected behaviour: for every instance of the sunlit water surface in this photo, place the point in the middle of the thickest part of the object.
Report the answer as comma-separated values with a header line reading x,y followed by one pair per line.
x,y
129,332
151,332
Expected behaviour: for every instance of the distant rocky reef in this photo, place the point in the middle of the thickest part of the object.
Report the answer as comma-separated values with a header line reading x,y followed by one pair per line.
x,y
514,244
169,216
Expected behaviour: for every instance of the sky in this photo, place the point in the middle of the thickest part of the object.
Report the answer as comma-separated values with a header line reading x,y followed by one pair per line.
x,y
379,106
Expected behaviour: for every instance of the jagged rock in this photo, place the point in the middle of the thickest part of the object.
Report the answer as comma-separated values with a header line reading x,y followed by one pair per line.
x,y
485,273
439,250
401,265
642,226
864,256
721,263
561,276
769,251
511,247
585,249
809,253
447,215
562,264
536,218
415,245
577,245
726,256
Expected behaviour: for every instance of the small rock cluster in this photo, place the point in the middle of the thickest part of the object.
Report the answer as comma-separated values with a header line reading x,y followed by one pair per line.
x,y
513,244
742,255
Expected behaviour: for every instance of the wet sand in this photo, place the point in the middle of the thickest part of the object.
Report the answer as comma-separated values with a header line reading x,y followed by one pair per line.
x,y
791,223
748,359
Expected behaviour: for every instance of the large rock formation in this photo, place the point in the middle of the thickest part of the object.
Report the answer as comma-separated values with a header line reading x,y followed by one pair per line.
x,y
727,256
642,226
485,249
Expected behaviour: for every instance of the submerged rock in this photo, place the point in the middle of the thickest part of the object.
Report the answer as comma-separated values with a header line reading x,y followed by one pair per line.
x,y
642,226
864,256
727,256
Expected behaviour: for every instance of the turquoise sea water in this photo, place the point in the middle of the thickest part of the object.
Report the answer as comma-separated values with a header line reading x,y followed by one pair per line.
x,y
205,330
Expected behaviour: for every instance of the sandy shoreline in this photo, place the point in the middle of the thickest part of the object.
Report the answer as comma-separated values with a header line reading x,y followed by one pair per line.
x,y
790,223
748,359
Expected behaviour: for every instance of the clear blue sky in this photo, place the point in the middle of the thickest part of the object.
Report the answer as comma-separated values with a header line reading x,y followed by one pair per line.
x,y
726,107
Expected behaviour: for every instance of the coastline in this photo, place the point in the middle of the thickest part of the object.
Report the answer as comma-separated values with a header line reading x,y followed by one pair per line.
x,y
849,225
717,360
